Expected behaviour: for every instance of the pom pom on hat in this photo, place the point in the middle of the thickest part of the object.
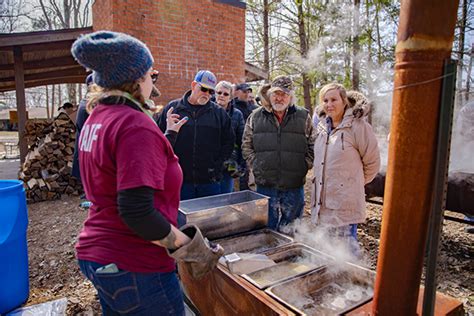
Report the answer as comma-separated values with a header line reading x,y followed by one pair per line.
x,y
115,58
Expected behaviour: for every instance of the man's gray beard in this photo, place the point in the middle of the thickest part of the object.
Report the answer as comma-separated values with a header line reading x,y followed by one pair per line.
x,y
279,107
202,100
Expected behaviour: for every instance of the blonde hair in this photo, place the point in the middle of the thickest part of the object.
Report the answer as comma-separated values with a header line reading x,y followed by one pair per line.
x,y
96,93
333,86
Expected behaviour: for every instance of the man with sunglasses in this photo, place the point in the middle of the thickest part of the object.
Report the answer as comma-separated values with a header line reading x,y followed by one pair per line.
x,y
205,141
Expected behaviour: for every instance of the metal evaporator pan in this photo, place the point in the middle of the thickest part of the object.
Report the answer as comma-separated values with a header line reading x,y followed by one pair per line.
x,y
225,214
291,260
256,241
327,291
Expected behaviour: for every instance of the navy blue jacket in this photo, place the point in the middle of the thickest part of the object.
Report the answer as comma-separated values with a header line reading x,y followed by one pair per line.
x,y
238,123
204,142
244,107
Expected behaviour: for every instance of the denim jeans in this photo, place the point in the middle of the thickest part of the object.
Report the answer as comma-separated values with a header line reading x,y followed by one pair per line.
x,y
193,191
244,181
227,184
284,206
138,294
348,232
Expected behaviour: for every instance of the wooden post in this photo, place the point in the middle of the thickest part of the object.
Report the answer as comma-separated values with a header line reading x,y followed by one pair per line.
x,y
422,48
20,100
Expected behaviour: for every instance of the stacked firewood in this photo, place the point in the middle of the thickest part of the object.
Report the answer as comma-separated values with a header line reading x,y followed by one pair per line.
x,y
46,171
36,129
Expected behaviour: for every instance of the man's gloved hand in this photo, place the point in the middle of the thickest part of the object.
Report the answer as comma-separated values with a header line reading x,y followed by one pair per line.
x,y
232,167
200,255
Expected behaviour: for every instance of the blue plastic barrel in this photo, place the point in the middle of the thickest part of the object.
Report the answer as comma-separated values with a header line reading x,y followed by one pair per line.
x,y
14,281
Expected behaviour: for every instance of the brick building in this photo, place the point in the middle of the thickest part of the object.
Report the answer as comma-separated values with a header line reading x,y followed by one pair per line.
x,y
183,36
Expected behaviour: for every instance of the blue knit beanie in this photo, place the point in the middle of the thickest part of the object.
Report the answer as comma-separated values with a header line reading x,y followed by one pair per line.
x,y
115,58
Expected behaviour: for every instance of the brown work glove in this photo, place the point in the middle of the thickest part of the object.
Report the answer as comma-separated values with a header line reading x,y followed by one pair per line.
x,y
199,254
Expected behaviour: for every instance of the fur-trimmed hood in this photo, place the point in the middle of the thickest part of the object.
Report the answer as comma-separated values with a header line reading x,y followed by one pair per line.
x,y
263,96
360,105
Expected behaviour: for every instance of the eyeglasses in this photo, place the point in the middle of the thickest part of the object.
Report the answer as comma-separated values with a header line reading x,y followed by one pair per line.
x,y
226,94
203,89
154,76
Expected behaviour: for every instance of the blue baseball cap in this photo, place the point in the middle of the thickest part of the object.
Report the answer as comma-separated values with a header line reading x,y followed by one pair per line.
x,y
206,79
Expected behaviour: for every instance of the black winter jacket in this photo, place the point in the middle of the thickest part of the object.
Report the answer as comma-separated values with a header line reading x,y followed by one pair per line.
x,y
279,154
238,123
204,142
244,107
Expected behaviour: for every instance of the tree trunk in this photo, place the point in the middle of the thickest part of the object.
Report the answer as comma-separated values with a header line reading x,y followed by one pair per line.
x,y
356,47
304,53
67,13
460,54
47,102
60,95
53,101
266,44
79,89
71,91
377,26
369,31
468,79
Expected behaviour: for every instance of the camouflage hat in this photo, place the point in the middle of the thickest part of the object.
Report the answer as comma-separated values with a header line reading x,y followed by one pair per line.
x,y
282,83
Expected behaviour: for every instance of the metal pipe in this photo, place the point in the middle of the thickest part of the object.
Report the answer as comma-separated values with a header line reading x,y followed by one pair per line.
x,y
425,37
440,185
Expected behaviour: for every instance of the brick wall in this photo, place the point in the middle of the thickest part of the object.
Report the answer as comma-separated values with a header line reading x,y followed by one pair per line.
x,y
183,36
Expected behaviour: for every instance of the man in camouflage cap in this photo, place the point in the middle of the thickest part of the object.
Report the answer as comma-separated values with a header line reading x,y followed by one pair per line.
x,y
278,146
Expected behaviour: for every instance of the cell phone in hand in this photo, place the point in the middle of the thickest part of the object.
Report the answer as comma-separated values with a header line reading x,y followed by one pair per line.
x,y
108,269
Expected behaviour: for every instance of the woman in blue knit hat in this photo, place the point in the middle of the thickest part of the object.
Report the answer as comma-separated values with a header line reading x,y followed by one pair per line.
x,y
132,177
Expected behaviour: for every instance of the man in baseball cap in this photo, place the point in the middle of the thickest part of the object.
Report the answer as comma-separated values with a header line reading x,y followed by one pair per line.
x,y
278,145
205,141
206,79
282,83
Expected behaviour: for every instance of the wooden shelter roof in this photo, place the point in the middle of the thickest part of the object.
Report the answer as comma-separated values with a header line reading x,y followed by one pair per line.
x,y
254,73
46,58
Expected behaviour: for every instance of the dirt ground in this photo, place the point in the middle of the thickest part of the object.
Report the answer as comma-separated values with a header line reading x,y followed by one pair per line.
x,y
54,274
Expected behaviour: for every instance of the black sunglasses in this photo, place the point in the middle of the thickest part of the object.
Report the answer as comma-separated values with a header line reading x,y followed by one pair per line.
x,y
203,89
226,94
154,76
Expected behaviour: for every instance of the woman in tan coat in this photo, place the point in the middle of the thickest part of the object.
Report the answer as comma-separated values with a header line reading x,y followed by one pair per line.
x,y
346,157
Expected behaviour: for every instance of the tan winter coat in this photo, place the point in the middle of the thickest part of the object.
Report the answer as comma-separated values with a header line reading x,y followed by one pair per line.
x,y
344,162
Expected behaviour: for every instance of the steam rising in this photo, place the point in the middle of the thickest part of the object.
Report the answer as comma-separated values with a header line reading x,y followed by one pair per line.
x,y
336,288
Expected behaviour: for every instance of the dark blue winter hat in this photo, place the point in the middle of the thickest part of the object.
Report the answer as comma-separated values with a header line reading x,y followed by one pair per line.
x,y
115,58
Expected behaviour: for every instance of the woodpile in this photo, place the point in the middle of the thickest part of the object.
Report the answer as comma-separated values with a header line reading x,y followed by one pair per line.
x,y
46,171
37,129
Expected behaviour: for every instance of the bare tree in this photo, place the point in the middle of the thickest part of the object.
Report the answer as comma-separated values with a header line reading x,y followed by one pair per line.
x,y
356,47
13,16
55,14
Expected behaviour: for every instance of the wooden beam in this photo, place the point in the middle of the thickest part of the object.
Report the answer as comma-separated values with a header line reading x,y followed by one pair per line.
x,y
47,46
38,83
42,37
45,63
20,101
255,72
62,73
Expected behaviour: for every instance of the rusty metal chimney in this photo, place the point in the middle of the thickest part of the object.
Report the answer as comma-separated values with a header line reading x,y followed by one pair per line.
x,y
425,38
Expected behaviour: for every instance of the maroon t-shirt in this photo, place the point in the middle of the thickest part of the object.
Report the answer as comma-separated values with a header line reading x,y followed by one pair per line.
x,y
121,148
